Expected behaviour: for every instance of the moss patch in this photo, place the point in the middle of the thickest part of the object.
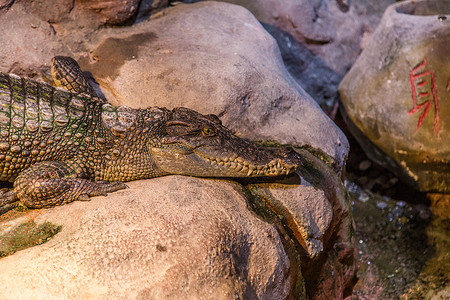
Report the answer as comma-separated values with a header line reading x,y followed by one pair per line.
x,y
261,203
27,235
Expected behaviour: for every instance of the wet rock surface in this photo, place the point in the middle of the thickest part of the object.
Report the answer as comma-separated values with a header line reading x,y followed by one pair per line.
x,y
396,95
403,247
402,234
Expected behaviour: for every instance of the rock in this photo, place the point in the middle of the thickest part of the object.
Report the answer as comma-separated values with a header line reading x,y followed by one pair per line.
x,y
309,70
167,238
111,12
214,58
319,40
333,32
397,98
49,28
339,257
318,214
28,45
306,209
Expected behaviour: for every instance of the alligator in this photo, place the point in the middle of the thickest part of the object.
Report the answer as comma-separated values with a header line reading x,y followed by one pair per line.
x,y
58,146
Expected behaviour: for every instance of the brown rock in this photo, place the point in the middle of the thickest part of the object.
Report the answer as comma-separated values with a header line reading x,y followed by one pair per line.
x,y
318,214
111,12
395,95
306,210
330,30
167,238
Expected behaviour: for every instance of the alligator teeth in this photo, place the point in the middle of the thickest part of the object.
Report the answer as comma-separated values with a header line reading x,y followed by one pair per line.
x,y
250,170
221,163
227,164
239,167
278,165
233,165
244,169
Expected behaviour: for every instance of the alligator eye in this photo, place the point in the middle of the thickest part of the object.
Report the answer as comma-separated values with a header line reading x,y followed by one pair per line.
x,y
208,131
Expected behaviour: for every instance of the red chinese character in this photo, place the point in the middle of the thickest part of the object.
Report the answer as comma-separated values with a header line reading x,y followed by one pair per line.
x,y
423,86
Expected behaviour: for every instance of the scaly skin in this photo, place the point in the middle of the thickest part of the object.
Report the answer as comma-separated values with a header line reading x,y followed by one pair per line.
x,y
67,74
58,147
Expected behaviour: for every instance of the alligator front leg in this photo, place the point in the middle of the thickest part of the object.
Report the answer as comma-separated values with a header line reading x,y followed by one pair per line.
x,y
52,183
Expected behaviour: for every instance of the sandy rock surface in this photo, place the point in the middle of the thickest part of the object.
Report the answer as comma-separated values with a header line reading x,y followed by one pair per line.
x,y
166,238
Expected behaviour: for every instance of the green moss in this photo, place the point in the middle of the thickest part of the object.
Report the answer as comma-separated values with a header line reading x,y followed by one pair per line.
x,y
262,205
259,203
27,235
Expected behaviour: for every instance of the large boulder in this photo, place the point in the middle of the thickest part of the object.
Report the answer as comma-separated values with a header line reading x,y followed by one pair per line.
x,y
167,238
397,94
317,212
319,40
334,30
172,236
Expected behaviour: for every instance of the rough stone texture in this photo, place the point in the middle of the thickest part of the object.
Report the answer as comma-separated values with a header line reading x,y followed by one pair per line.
x,y
111,12
319,40
318,215
167,238
214,58
27,46
339,258
307,211
49,28
330,32
406,61
309,70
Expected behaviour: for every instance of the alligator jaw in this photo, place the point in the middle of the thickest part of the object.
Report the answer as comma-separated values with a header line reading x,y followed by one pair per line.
x,y
242,168
173,160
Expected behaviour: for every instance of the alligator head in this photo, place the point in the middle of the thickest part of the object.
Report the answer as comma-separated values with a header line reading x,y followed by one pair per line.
x,y
199,145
